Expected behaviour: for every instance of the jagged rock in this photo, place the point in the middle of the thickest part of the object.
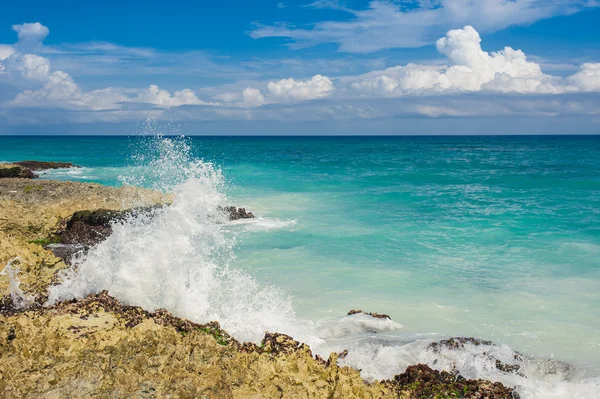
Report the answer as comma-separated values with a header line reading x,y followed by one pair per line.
x,y
32,212
457,343
9,171
98,347
44,165
421,381
375,315
237,213
276,343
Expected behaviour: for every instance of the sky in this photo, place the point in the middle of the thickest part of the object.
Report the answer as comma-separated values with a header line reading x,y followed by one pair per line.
x,y
301,67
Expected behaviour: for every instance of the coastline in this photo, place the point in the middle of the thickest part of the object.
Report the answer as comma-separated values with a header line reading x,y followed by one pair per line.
x,y
84,340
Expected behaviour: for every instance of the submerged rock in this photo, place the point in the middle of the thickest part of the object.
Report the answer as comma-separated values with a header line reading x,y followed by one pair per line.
x,y
458,343
375,315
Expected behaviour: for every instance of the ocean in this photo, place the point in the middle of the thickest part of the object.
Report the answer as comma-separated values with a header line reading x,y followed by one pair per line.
x,y
490,237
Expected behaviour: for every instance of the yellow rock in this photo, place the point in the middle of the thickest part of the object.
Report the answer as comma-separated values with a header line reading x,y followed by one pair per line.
x,y
32,210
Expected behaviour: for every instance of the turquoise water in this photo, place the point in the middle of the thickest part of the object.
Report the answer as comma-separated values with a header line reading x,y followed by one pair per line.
x,y
493,237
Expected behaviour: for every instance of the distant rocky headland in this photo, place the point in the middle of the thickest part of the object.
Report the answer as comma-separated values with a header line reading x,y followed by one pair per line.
x,y
99,347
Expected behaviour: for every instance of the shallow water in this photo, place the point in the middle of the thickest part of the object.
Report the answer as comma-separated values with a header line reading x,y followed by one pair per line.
x,y
493,237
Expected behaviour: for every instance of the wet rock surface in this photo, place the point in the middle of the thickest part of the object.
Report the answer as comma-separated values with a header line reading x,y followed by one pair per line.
x,y
458,343
375,315
421,381
85,229
235,213
31,213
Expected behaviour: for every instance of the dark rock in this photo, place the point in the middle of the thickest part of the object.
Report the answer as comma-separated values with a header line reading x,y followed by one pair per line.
x,y
66,251
237,213
456,343
421,381
42,165
276,343
375,315
508,368
16,172
89,228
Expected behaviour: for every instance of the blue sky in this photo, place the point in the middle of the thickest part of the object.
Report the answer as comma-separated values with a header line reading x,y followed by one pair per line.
x,y
301,67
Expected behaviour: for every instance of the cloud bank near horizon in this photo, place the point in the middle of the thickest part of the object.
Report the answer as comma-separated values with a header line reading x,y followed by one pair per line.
x,y
468,70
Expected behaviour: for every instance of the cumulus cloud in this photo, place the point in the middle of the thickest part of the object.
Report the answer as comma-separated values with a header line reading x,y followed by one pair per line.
x,y
431,91
6,51
588,77
388,24
20,66
470,69
291,90
30,35
283,91
162,98
252,97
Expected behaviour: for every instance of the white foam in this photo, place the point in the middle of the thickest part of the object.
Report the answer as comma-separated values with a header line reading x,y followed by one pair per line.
x,y
540,378
262,224
66,173
19,298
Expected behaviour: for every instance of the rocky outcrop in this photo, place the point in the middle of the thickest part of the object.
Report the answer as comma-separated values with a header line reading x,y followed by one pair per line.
x,y
421,381
375,315
31,214
237,213
10,171
458,343
43,165
24,169
97,347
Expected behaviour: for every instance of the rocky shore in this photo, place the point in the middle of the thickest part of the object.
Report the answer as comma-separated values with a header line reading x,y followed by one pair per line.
x,y
98,347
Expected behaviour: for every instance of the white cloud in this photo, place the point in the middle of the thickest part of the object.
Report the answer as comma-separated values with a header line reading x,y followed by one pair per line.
x,y
162,98
282,91
291,90
470,69
6,51
588,78
252,97
59,90
31,31
30,36
432,91
387,24
28,66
